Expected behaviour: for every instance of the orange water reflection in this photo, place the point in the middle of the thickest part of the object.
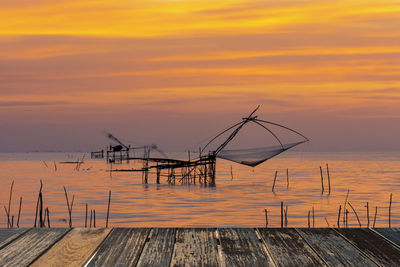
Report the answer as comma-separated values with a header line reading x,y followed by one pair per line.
x,y
239,202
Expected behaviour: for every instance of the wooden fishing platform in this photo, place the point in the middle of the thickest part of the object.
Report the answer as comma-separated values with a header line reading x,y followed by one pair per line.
x,y
200,247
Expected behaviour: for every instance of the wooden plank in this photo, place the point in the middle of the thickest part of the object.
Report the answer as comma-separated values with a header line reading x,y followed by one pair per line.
x,y
242,247
158,250
29,246
376,247
393,234
122,247
74,249
7,235
195,247
333,248
288,248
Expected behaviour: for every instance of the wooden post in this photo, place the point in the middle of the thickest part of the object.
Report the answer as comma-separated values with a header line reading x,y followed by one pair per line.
x,y
273,185
41,210
108,207
313,217
9,204
86,216
281,214
19,211
286,220
322,180
329,179
390,210
48,217
94,218
91,215
287,178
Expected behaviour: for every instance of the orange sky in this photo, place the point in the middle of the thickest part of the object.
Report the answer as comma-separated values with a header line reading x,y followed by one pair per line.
x,y
174,72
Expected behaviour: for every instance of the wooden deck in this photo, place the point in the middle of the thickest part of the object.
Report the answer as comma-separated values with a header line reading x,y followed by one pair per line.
x,y
199,247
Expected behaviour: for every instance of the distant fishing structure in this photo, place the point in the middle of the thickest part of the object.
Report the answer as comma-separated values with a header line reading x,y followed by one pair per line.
x,y
200,169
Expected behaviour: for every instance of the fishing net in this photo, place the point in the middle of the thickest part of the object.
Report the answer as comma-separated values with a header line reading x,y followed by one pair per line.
x,y
255,156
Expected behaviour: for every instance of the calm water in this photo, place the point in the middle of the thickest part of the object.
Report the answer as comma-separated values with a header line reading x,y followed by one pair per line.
x,y
240,201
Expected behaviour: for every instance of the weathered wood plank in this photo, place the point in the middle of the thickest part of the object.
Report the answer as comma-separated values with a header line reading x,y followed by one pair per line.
x,y
7,235
288,248
74,249
195,247
122,247
242,247
393,234
29,246
333,248
158,249
376,247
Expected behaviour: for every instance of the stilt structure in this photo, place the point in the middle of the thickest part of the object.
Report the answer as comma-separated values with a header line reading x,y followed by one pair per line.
x,y
203,168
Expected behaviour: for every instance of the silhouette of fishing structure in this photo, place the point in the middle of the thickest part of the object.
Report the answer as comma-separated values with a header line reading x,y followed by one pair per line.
x,y
200,169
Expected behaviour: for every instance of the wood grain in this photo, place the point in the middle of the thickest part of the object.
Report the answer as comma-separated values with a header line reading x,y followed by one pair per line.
x,y
288,248
242,247
158,250
333,248
74,249
7,235
24,250
393,234
122,247
195,247
376,247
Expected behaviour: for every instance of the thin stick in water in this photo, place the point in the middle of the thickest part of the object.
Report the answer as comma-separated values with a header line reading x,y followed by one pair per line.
x,y
344,207
358,219
338,218
231,173
390,210
266,218
376,212
281,214
86,217
327,222
313,217
322,180
367,214
273,185
8,217
286,220
91,214
19,211
287,178
9,202
55,166
329,178
94,218
48,217
308,219
108,207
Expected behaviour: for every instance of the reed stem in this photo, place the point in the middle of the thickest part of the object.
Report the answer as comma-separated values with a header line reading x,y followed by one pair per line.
x,y
273,185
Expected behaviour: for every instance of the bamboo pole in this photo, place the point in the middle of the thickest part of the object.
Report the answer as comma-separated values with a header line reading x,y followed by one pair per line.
x,y
19,211
329,179
313,217
358,219
281,214
108,207
390,210
273,185
9,204
322,180
86,216
287,178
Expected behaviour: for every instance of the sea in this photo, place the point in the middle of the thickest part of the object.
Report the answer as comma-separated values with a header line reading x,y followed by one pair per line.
x,y
242,196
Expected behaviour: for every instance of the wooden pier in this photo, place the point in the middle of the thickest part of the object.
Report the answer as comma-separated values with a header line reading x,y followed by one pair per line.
x,y
200,247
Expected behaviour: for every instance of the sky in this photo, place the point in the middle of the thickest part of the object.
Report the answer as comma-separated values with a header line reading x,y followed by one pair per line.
x,y
176,72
